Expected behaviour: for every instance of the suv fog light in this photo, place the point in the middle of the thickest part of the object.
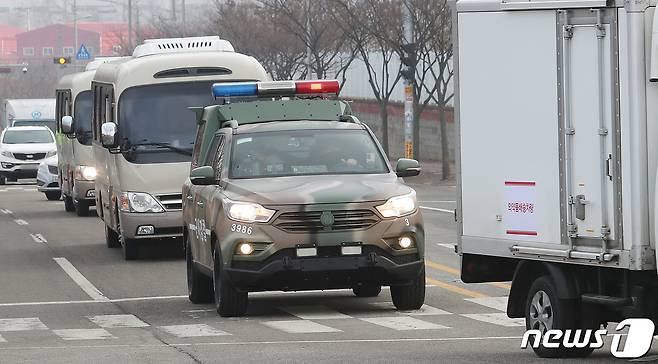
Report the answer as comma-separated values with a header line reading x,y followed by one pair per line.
x,y
307,252
350,250
7,165
405,242
91,193
146,230
245,249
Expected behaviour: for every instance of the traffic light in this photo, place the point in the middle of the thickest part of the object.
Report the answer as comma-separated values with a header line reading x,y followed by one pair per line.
x,y
62,60
409,61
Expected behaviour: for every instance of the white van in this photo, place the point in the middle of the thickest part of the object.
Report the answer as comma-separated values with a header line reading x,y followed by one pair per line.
x,y
144,133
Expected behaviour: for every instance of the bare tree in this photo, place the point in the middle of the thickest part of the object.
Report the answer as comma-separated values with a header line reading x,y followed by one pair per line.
x,y
370,25
310,21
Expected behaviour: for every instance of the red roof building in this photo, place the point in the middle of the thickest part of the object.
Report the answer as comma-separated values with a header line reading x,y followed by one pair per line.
x,y
8,43
43,44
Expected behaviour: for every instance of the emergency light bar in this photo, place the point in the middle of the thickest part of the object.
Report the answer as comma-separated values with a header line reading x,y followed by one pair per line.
x,y
275,88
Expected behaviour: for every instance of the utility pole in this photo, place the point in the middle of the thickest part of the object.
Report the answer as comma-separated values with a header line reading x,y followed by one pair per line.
x,y
408,59
308,39
173,11
184,18
130,25
75,27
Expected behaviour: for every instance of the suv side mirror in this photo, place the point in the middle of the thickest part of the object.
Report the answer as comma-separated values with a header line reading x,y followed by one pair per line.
x,y
407,167
203,176
109,135
67,124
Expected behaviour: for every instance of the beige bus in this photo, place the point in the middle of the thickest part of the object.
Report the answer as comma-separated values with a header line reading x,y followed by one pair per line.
x,y
77,172
143,132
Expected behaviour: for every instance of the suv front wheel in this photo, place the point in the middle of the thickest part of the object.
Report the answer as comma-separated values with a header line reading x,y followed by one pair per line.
x,y
410,297
229,301
199,286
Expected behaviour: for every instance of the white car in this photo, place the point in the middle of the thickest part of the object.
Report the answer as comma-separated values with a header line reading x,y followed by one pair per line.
x,y
48,180
22,148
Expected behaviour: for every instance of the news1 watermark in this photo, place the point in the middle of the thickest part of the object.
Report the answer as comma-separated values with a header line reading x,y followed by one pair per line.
x,y
639,338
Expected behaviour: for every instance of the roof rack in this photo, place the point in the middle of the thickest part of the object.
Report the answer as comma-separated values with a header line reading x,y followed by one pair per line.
x,y
182,45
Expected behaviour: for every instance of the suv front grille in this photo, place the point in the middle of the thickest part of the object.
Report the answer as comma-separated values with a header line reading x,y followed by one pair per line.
x,y
29,156
173,202
311,221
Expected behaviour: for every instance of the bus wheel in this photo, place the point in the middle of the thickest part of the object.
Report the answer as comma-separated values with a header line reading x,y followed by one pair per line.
x,y
545,311
53,195
111,238
81,207
129,246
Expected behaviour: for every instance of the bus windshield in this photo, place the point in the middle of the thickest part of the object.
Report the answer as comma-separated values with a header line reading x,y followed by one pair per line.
x,y
82,114
155,123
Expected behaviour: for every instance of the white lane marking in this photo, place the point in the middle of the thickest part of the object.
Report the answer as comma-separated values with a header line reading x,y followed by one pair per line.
x,y
254,343
2,340
646,358
447,246
14,188
437,209
425,310
314,312
438,201
300,326
21,324
114,321
21,222
5,211
499,319
497,303
199,311
152,298
84,334
402,323
193,330
38,238
29,189
82,282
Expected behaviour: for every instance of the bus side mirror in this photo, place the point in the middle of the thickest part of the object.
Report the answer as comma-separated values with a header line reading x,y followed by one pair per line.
x,y
407,167
67,124
202,176
109,135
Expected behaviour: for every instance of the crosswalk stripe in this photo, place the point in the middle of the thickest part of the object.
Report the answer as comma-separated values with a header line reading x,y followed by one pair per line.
x,y
21,222
497,303
5,211
314,312
21,324
38,238
114,321
199,330
424,310
499,319
300,327
401,323
84,334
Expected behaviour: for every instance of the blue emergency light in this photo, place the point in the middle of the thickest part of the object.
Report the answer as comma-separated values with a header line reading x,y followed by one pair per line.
x,y
275,88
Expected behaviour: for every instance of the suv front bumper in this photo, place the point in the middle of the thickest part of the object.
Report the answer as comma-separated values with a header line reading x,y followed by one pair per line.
x,y
19,169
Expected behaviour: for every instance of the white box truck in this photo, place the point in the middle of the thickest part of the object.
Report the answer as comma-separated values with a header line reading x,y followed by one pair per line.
x,y
27,112
557,120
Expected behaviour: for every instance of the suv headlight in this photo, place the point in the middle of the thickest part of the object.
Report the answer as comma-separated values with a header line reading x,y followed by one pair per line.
x,y
398,206
85,173
247,212
51,154
139,202
7,154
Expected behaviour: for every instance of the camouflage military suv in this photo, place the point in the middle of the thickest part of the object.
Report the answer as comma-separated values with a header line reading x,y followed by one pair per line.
x,y
292,192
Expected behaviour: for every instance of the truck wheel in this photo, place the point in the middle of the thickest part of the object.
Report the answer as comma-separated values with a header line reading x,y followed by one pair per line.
x,y
545,311
111,238
81,207
410,297
53,195
68,204
229,301
199,286
367,291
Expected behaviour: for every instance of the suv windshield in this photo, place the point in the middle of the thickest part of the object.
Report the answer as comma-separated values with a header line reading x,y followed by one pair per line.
x,y
49,123
308,152
82,114
155,123
27,137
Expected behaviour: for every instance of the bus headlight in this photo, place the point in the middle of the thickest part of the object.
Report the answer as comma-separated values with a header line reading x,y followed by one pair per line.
x,y
248,212
139,202
85,173
398,206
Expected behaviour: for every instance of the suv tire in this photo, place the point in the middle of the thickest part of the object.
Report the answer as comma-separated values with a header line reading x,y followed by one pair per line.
x,y
53,195
111,238
68,204
3,180
81,207
229,301
199,285
367,290
410,297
